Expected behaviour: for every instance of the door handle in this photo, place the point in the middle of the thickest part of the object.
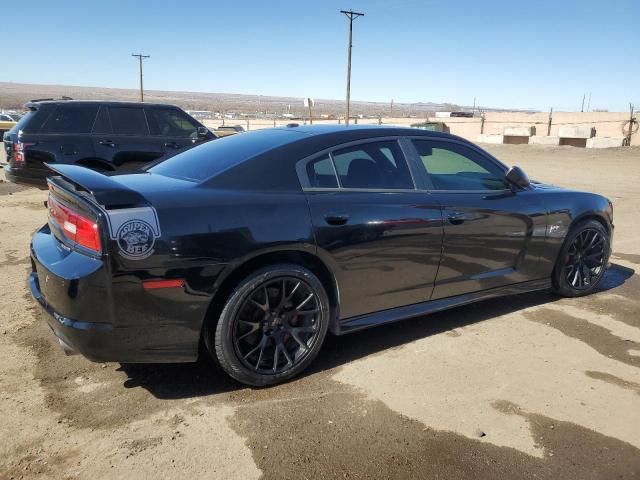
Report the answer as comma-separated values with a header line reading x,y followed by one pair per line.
x,y
172,145
336,219
107,143
456,218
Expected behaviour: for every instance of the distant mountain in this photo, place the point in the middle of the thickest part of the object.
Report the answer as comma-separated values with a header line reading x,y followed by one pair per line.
x,y
14,95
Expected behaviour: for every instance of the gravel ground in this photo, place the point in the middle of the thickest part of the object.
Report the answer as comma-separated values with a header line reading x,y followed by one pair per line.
x,y
522,387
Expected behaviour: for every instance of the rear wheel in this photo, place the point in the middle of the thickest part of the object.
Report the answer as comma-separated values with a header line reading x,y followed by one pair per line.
x,y
583,260
272,325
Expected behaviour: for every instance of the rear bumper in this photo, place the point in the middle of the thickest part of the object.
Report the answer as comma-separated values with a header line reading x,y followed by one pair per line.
x,y
26,176
104,342
72,290
76,293
86,338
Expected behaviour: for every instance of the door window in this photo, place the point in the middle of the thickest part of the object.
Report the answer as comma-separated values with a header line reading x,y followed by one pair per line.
x,y
71,118
456,167
321,173
375,165
169,122
128,121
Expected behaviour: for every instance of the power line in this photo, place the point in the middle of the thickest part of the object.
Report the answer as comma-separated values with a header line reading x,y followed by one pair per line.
x,y
140,58
351,15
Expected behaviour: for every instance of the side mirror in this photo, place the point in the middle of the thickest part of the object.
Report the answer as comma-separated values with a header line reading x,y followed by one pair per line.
x,y
203,131
516,176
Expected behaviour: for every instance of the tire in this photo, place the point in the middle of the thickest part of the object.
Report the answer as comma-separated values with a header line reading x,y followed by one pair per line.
x,y
261,338
583,260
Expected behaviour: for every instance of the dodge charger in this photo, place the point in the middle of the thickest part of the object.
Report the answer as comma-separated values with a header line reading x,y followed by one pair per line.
x,y
250,249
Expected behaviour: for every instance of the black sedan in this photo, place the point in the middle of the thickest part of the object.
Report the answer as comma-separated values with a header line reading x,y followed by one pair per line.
x,y
251,248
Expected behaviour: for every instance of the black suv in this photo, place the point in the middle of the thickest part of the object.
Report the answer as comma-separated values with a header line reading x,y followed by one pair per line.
x,y
104,136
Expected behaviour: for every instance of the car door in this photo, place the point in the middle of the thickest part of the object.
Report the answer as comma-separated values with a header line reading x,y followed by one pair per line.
x,y
123,139
174,129
493,233
381,236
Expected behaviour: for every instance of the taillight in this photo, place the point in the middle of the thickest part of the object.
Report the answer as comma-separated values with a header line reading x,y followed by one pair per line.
x,y
74,226
18,151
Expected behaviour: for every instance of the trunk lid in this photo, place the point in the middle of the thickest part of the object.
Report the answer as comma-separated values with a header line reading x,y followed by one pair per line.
x,y
122,218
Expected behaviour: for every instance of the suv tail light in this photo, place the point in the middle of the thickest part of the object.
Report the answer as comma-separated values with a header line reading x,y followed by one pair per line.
x,y
18,151
74,226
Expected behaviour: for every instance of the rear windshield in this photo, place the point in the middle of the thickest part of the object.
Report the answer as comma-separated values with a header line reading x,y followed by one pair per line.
x,y
23,121
216,156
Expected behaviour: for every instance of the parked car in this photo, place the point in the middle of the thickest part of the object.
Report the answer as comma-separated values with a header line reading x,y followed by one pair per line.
x,y
103,136
256,245
433,126
7,122
7,143
226,131
231,128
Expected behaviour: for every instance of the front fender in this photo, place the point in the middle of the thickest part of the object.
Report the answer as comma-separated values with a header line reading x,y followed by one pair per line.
x,y
565,209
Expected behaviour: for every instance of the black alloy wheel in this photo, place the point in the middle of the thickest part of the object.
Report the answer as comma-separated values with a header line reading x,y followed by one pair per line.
x,y
277,325
272,326
583,260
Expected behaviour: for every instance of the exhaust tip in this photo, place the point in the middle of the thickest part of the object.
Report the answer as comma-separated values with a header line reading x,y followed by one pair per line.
x,y
66,348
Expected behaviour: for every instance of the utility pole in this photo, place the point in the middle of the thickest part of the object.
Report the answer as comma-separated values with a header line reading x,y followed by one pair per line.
x,y
582,108
140,58
351,14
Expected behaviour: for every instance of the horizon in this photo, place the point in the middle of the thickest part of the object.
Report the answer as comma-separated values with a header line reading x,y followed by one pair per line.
x,y
201,92
504,56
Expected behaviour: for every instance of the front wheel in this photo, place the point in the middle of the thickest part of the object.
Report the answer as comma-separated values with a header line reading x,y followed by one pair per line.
x,y
583,260
272,325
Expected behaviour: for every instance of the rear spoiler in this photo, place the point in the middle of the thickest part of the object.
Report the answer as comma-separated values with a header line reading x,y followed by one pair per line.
x,y
105,190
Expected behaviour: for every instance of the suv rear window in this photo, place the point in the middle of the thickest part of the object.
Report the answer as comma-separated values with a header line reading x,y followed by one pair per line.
x,y
22,123
70,119
217,156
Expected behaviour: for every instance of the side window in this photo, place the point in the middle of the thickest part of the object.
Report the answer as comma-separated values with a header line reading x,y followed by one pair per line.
x,y
102,123
377,165
128,121
456,167
170,122
321,174
70,118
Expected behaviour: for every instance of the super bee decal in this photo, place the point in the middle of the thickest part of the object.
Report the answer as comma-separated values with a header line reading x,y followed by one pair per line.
x,y
134,230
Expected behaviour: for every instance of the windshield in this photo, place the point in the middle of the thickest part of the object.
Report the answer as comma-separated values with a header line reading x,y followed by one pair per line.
x,y
216,156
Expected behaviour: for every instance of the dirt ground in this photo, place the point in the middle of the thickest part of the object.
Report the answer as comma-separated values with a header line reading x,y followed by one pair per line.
x,y
532,386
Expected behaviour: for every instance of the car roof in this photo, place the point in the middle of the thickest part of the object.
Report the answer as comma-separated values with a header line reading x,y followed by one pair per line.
x,y
263,159
98,102
362,131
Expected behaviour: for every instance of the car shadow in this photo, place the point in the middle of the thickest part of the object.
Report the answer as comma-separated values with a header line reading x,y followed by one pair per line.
x,y
203,378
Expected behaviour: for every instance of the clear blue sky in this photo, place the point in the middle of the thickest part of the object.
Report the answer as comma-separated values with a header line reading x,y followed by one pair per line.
x,y
508,53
